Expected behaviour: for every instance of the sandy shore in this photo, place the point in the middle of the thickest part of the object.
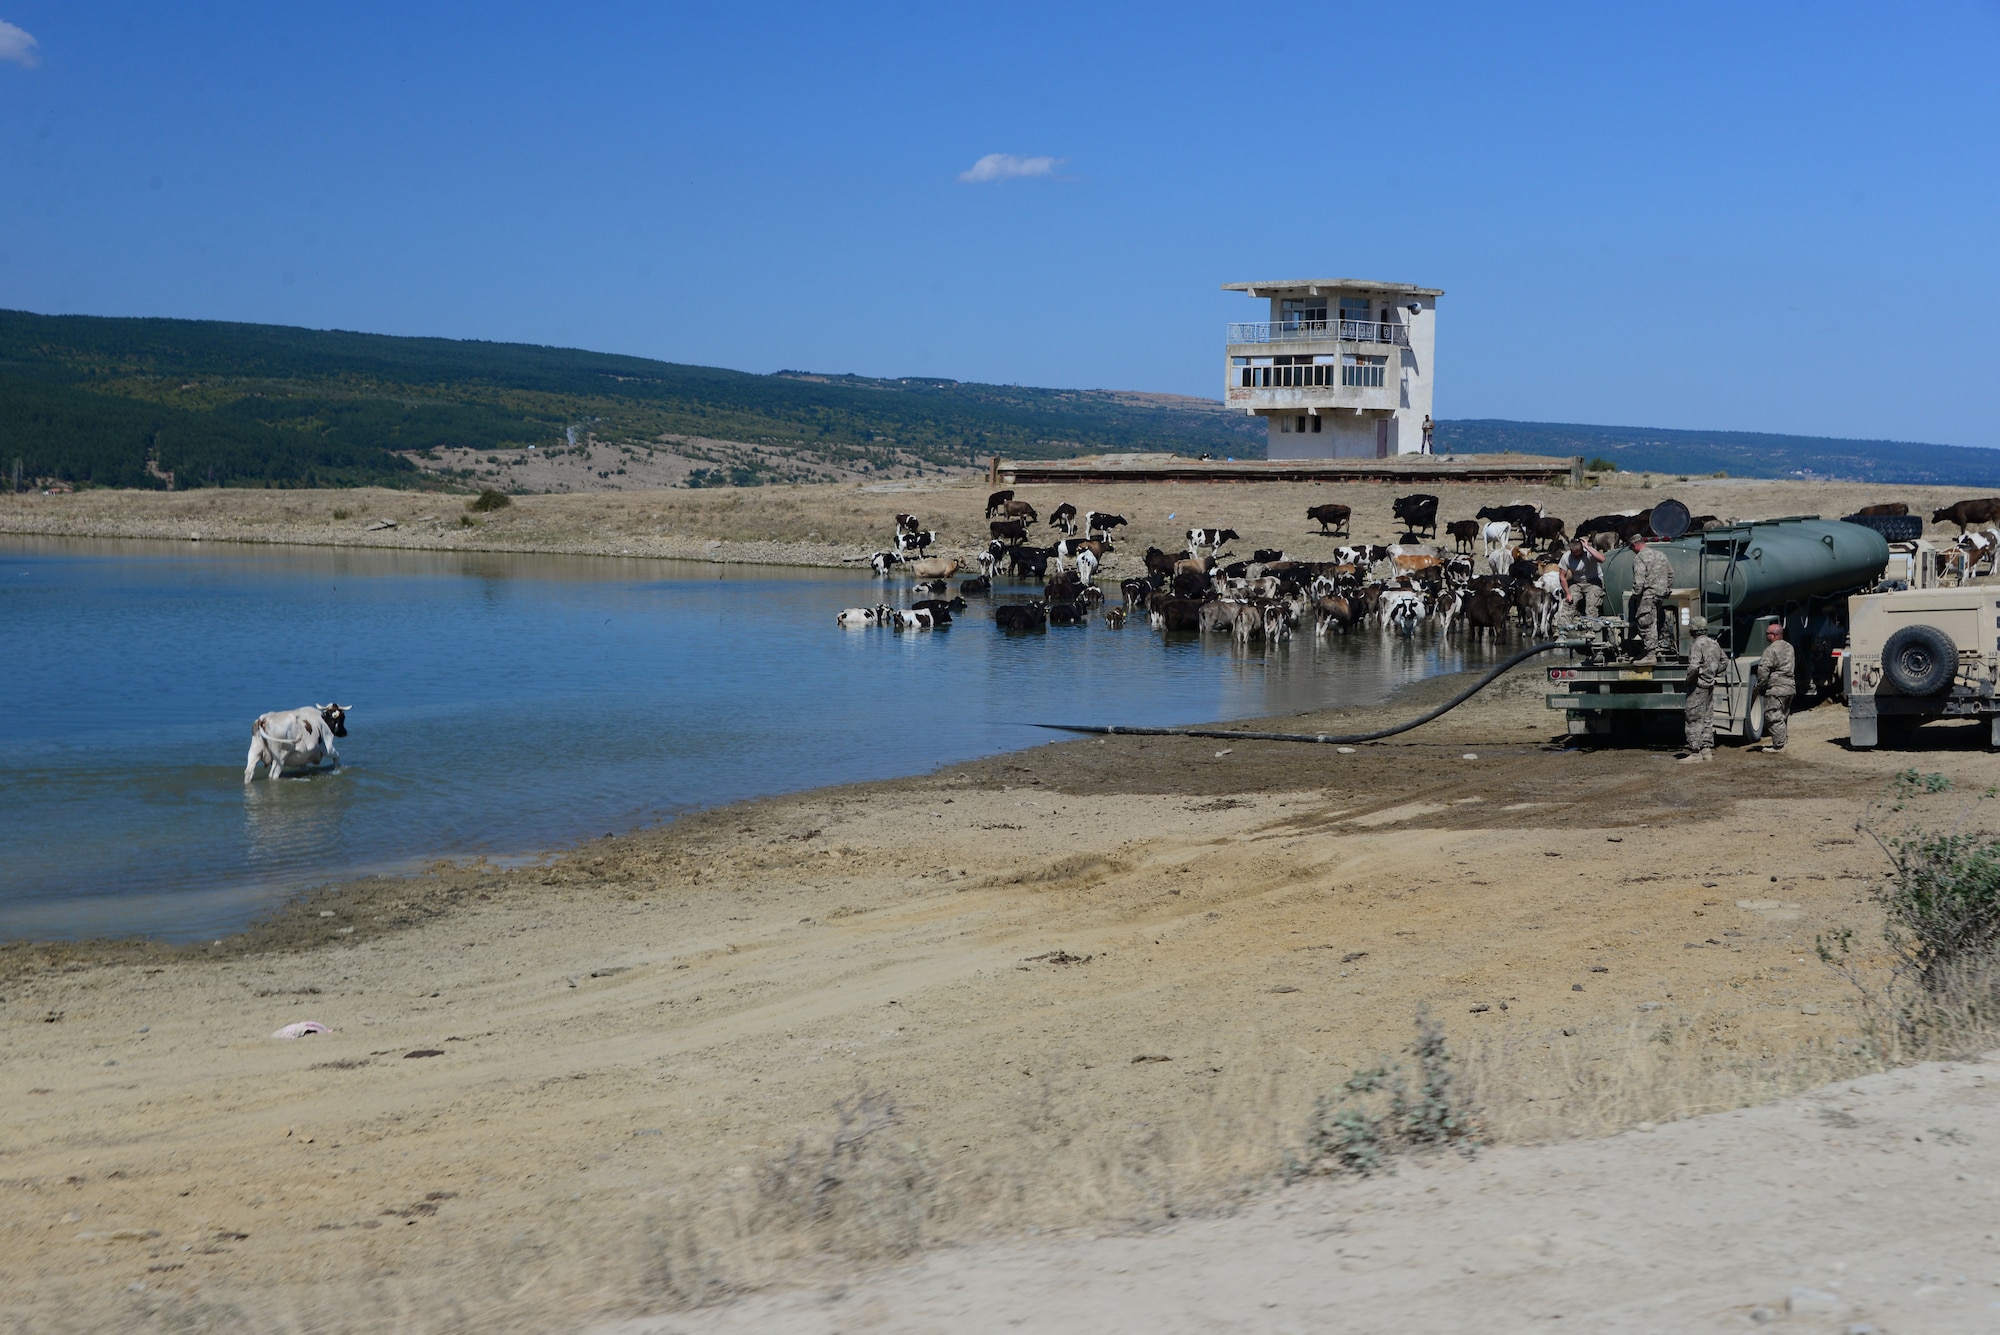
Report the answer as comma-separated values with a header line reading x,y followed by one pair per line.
x,y
832,524
1093,986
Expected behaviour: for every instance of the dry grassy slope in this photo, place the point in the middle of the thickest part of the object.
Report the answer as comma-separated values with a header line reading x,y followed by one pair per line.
x,y
630,1036
827,524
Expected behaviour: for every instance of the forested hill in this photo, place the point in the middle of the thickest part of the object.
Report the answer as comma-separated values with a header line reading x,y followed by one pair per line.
x,y
130,403
125,402
1738,453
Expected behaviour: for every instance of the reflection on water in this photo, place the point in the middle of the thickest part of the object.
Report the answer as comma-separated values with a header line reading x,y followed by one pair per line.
x,y
505,704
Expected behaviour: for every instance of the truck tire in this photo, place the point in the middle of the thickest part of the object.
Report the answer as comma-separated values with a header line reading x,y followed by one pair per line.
x,y
1920,661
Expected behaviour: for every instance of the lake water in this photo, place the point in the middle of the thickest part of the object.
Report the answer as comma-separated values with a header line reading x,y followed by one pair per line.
x,y
504,705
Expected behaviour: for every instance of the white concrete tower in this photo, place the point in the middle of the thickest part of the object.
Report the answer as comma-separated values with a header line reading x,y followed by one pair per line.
x,y
1341,370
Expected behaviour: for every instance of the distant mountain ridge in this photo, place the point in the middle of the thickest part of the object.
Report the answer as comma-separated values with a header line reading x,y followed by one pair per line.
x,y
1739,453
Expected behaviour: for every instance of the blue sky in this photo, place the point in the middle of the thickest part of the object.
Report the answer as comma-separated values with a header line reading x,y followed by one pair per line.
x,y
1758,217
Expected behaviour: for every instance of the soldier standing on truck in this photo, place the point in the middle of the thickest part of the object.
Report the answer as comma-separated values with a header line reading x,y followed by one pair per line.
x,y
1583,579
1707,665
1775,674
1652,582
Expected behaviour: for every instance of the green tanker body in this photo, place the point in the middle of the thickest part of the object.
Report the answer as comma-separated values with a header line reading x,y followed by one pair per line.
x,y
1798,572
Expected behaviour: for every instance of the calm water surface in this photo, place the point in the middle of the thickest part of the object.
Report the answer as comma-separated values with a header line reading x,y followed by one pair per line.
x,y
505,705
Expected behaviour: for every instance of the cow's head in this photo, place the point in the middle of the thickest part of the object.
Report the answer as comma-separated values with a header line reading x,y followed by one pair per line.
x,y
336,718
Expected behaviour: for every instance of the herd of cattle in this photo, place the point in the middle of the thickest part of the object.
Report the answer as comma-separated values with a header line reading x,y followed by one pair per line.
x,y
1501,571
1263,596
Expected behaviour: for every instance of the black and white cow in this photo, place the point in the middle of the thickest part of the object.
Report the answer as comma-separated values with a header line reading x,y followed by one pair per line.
x,y
292,739
1211,538
883,561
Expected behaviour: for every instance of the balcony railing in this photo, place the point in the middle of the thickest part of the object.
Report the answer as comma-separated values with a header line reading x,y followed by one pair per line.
x,y
1323,331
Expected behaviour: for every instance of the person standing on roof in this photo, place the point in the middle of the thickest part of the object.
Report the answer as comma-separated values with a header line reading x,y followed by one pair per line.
x,y
1707,665
1652,582
1777,675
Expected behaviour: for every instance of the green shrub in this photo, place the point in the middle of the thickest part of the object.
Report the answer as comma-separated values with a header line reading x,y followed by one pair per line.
x,y
1600,465
1378,1113
489,499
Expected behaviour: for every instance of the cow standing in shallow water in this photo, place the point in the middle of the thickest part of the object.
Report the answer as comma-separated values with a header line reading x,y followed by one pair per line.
x,y
295,739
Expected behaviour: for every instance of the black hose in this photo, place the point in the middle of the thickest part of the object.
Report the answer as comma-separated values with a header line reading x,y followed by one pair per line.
x,y
1117,730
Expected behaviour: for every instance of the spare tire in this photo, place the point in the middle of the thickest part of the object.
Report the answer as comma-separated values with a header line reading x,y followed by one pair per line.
x,y
1920,660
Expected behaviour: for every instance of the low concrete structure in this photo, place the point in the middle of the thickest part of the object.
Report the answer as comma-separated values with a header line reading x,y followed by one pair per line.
x,y
1409,468
1342,369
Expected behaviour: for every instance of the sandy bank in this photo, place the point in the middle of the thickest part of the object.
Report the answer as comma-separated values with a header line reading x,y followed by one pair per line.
x,y
836,524
1101,983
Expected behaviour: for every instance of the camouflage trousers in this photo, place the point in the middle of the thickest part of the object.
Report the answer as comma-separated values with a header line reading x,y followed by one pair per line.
x,y
1699,714
1586,600
1777,709
1651,621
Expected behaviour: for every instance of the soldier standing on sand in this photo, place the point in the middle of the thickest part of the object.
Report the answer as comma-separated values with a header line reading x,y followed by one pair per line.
x,y
1776,673
1707,665
1652,581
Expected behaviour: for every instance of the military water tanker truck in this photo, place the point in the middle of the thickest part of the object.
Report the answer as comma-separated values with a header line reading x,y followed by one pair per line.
x,y
1798,572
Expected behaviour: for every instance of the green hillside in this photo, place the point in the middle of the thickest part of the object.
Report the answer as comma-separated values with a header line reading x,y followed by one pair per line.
x,y
124,402
1738,453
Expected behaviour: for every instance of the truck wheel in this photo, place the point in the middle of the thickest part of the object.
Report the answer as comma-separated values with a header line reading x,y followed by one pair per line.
x,y
1920,660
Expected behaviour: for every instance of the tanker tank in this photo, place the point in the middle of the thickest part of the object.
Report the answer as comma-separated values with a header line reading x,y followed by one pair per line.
x,y
1799,570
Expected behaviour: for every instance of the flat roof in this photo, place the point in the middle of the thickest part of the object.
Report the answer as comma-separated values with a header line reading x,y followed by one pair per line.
x,y
1334,285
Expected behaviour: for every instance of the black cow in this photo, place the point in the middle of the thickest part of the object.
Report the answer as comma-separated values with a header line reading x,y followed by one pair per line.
x,y
972,586
1623,525
939,609
1418,511
1028,562
1332,519
1263,556
1464,532
1160,563
1545,528
1015,530
1520,516
1020,616
1064,518
998,499
1178,614
1075,612
1191,584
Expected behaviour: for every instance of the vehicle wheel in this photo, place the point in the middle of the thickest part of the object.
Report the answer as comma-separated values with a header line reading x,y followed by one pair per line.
x,y
1753,720
1920,660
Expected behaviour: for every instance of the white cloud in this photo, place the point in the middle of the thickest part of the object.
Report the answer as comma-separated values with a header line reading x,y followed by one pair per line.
x,y
1001,166
18,46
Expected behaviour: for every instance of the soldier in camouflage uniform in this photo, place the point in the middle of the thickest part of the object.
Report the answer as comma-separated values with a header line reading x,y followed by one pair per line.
x,y
1652,581
1707,666
1777,674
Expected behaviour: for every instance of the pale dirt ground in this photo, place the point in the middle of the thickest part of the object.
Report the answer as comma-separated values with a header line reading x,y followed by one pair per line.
x,y
829,524
631,1036
1869,1205
595,465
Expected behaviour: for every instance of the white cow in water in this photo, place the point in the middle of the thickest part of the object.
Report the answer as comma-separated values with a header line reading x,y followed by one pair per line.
x,y
295,739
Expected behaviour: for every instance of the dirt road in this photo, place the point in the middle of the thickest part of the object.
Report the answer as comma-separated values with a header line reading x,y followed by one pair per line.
x,y
1095,985
1867,1206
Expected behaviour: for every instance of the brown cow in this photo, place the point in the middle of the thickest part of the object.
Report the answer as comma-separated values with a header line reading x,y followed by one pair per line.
x,y
1019,510
1887,508
1464,532
1967,513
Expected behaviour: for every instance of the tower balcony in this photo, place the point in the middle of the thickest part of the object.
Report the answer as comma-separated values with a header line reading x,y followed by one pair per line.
x,y
1320,331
